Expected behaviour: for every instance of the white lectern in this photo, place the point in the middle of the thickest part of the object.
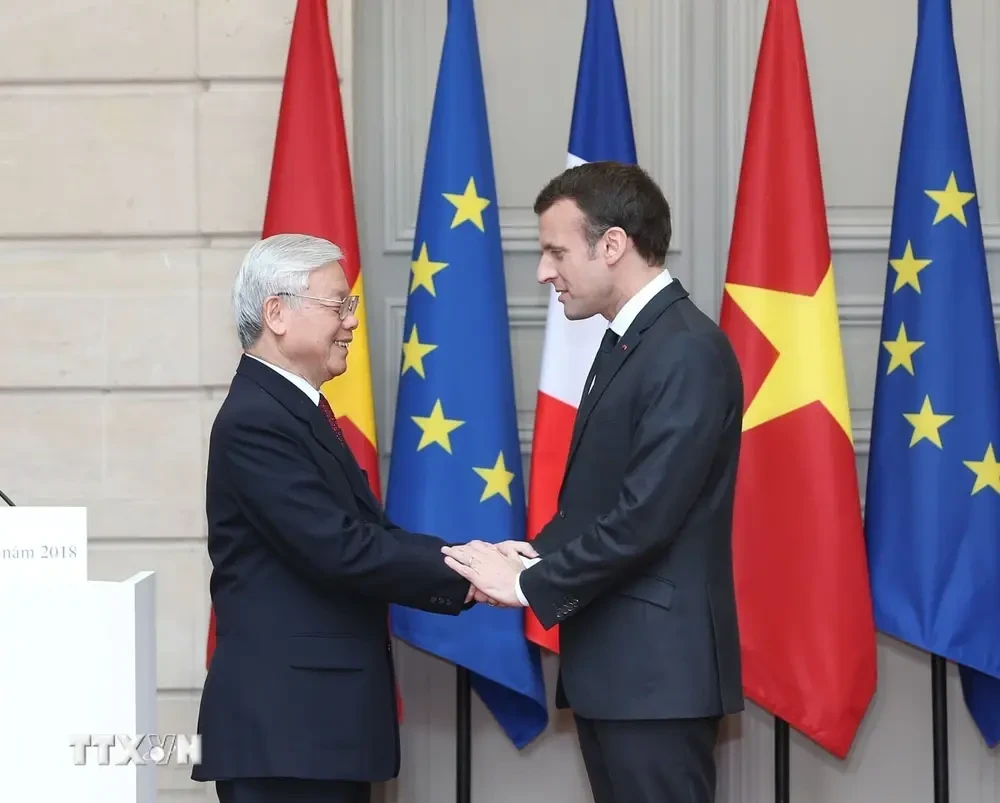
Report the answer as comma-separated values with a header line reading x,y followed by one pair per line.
x,y
78,658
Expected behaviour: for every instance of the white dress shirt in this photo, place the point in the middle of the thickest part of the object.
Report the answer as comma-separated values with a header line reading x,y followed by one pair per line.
x,y
619,325
631,308
295,379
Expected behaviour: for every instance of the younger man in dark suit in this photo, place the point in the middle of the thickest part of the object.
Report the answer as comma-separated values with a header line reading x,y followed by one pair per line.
x,y
636,566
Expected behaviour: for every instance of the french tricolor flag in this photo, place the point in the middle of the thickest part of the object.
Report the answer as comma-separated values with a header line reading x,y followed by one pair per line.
x,y
601,131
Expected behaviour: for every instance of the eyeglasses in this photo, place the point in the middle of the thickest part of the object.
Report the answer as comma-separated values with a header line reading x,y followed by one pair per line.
x,y
347,305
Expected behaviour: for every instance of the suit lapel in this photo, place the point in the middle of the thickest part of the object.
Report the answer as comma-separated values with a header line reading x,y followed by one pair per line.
x,y
621,352
624,349
324,434
302,407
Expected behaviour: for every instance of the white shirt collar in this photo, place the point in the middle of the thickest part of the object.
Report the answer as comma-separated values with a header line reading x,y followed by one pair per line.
x,y
295,379
628,313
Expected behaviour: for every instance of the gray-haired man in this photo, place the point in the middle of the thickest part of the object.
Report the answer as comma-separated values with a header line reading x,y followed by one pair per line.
x,y
299,701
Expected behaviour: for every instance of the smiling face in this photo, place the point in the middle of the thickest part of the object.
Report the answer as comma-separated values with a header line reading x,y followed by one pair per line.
x,y
311,335
580,274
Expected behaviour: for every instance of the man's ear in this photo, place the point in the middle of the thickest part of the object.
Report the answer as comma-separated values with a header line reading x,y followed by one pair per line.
x,y
274,315
615,244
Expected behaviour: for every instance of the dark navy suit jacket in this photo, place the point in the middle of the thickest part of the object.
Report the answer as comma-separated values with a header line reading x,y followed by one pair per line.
x,y
636,565
305,564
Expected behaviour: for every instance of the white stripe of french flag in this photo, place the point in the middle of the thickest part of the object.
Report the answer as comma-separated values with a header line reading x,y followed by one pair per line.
x,y
601,130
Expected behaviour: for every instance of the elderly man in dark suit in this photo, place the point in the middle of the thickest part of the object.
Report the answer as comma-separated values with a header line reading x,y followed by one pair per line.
x,y
636,566
299,701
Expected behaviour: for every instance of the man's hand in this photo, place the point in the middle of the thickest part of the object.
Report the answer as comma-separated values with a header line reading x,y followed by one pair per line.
x,y
514,548
492,572
477,595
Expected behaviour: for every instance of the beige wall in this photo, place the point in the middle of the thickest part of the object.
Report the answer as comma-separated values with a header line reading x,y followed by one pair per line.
x,y
135,143
135,146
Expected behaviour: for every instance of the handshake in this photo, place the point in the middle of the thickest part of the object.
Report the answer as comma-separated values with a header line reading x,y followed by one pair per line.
x,y
491,569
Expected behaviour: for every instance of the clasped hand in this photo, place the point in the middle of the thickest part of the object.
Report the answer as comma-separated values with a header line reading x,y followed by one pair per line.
x,y
491,569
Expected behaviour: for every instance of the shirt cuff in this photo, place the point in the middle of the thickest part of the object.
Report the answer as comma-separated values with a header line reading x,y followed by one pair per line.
x,y
520,594
528,563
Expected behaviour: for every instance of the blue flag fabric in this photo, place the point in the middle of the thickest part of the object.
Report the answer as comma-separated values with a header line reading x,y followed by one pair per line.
x,y
933,495
456,459
601,129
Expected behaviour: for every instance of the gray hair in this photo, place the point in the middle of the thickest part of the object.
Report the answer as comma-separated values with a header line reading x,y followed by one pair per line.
x,y
279,264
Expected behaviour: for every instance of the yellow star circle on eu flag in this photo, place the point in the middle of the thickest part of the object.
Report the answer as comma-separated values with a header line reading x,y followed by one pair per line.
x,y
414,352
436,428
468,206
901,350
907,268
926,424
987,471
951,201
424,270
498,480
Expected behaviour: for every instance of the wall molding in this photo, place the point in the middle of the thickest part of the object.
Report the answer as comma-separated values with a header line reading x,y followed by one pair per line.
x,y
855,228
412,27
866,310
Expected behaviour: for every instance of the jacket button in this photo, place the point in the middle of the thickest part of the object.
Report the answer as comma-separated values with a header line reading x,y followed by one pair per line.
x,y
562,514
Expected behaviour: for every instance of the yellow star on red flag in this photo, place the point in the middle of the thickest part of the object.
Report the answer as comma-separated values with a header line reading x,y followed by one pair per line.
x,y
805,330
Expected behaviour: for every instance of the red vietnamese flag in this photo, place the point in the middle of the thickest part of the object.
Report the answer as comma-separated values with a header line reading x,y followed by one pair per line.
x,y
311,193
805,611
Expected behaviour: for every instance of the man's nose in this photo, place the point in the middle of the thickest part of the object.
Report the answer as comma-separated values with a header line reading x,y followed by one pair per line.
x,y
545,273
350,323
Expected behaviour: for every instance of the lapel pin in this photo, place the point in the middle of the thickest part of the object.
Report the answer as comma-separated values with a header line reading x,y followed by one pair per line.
x,y
624,346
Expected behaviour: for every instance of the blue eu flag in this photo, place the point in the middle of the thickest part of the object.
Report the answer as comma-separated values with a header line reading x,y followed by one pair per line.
x,y
933,495
456,458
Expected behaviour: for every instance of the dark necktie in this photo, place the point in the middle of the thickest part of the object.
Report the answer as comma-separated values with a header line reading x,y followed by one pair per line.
x,y
608,343
324,405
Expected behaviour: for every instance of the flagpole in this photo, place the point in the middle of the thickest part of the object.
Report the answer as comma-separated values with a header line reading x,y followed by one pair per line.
x,y
781,756
939,724
463,736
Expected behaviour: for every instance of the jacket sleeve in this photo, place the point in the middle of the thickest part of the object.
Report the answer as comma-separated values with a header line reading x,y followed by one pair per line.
x,y
684,408
282,492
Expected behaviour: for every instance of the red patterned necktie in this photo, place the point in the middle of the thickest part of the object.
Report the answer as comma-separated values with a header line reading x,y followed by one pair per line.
x,y
324,405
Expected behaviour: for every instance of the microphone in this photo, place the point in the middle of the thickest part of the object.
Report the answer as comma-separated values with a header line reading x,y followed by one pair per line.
x,y
6,499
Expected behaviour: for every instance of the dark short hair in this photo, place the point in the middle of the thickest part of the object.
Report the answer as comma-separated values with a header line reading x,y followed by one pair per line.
x,y
615,194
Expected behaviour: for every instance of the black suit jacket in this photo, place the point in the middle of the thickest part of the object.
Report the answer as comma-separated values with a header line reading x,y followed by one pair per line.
x,y
305,564
637,564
